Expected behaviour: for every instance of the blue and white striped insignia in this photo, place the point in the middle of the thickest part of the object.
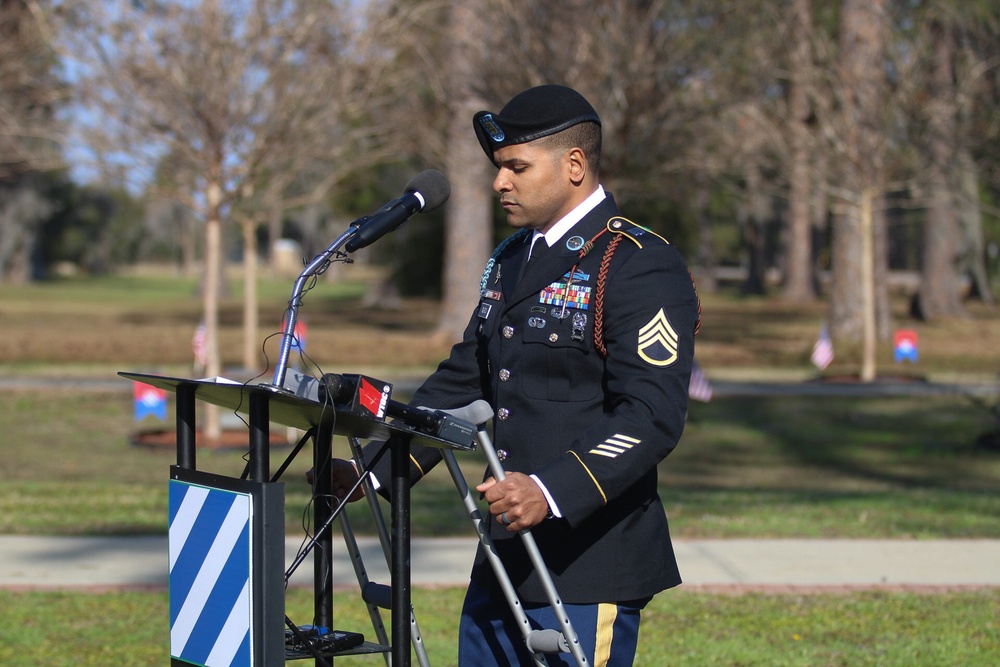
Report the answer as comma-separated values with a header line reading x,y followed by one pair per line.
x,y
209,539
615,445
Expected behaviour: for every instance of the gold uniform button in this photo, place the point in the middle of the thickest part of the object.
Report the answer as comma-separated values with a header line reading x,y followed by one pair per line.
x,y
502,454
553,337
503,413
508,331
504,374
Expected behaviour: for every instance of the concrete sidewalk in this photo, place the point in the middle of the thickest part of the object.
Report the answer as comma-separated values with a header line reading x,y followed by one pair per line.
x,y
88,562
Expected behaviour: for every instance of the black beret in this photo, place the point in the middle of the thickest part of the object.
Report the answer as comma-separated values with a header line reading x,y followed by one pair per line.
x,y
532,114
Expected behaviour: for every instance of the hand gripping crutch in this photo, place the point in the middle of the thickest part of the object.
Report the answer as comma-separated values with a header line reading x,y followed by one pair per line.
x,y
539,642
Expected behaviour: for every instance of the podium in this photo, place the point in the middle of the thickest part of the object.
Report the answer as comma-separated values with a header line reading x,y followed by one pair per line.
x,y
247,516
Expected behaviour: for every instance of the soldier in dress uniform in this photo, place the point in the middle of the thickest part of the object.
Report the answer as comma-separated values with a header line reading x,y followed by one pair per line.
x,y
585,354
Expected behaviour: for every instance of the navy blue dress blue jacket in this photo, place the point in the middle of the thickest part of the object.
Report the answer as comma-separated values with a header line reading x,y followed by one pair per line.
x,y
591,426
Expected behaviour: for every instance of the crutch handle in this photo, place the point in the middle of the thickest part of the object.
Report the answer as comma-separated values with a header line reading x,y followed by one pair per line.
x,y
546,641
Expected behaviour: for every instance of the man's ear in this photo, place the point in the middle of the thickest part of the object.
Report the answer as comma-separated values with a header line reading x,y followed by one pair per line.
x,y
576,162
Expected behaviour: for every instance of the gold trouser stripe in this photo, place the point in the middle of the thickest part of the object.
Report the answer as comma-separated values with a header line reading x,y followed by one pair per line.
x,y
607,613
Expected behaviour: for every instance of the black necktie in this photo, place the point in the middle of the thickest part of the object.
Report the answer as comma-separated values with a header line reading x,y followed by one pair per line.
x,y
537,250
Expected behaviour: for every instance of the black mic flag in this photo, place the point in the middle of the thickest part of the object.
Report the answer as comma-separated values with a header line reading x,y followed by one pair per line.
x,y
427,191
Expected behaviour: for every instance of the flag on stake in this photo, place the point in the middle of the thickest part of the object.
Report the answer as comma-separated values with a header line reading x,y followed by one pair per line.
x,y
699,388
149,401
822,354
200,349
905,345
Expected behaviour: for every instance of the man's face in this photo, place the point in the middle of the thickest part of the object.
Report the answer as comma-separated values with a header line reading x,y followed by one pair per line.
x,y
534,185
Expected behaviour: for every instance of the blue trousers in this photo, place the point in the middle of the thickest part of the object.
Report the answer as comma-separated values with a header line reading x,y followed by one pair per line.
x,y
489,636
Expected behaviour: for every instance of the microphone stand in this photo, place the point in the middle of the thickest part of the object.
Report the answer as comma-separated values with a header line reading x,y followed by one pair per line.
x,y
317,267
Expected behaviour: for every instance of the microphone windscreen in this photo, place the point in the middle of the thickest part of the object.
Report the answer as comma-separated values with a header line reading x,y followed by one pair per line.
x,y
432,186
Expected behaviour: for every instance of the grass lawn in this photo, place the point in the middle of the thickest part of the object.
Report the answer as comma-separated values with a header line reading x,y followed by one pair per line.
x,y
763,467
129,629
793,466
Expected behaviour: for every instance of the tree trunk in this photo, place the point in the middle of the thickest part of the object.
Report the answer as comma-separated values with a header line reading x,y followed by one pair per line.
x,y
798,287
250,317
971,222
863,27
468,228
706,253
845,293
939,288
880,271
819,212
867,223
212,285
754,224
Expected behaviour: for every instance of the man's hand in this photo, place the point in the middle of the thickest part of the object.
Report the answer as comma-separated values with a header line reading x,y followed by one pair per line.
x,y
343,475
516,502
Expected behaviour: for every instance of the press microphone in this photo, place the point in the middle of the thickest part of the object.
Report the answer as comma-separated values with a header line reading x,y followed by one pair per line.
x,y
345,390
370,397
425,192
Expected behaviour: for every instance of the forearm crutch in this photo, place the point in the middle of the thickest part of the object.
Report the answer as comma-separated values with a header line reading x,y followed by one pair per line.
x,y
538,642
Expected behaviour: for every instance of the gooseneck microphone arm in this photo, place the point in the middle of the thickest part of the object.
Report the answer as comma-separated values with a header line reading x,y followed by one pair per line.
x,y
317,267
425,192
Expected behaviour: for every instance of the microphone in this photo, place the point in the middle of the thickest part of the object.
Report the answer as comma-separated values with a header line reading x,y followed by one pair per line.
x,y
345,390
367,396
425,192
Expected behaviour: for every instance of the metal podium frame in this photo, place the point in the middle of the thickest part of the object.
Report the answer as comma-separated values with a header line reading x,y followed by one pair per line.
x,y
264,404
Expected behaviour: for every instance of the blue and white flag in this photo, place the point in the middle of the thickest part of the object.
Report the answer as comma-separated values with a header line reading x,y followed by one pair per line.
x,y
149,401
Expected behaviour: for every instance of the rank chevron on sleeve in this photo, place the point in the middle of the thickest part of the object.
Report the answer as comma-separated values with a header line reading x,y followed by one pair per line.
x,y
658,341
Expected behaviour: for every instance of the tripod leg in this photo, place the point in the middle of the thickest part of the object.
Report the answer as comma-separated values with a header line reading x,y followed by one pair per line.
x,y
416,639
363,582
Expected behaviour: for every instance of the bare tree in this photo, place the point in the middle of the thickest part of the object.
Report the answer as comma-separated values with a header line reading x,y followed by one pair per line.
x,y
957,45
858,138
30,94
247,99
939,290
799,282
30,134
468,228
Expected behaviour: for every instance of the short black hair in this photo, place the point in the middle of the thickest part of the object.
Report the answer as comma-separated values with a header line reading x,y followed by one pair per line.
x,y
585,136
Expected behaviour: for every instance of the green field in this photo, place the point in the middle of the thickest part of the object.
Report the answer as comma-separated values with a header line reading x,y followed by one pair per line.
x,y
762,467
766,466
680,629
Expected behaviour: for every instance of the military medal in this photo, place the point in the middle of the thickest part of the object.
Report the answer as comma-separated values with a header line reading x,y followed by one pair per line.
x,y
579,326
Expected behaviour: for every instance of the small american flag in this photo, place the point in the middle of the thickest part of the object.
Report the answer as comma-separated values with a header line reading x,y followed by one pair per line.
x,y
199,348
822,354
699,389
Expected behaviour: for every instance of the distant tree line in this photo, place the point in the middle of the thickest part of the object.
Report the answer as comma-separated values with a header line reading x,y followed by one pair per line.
x,y
825,142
